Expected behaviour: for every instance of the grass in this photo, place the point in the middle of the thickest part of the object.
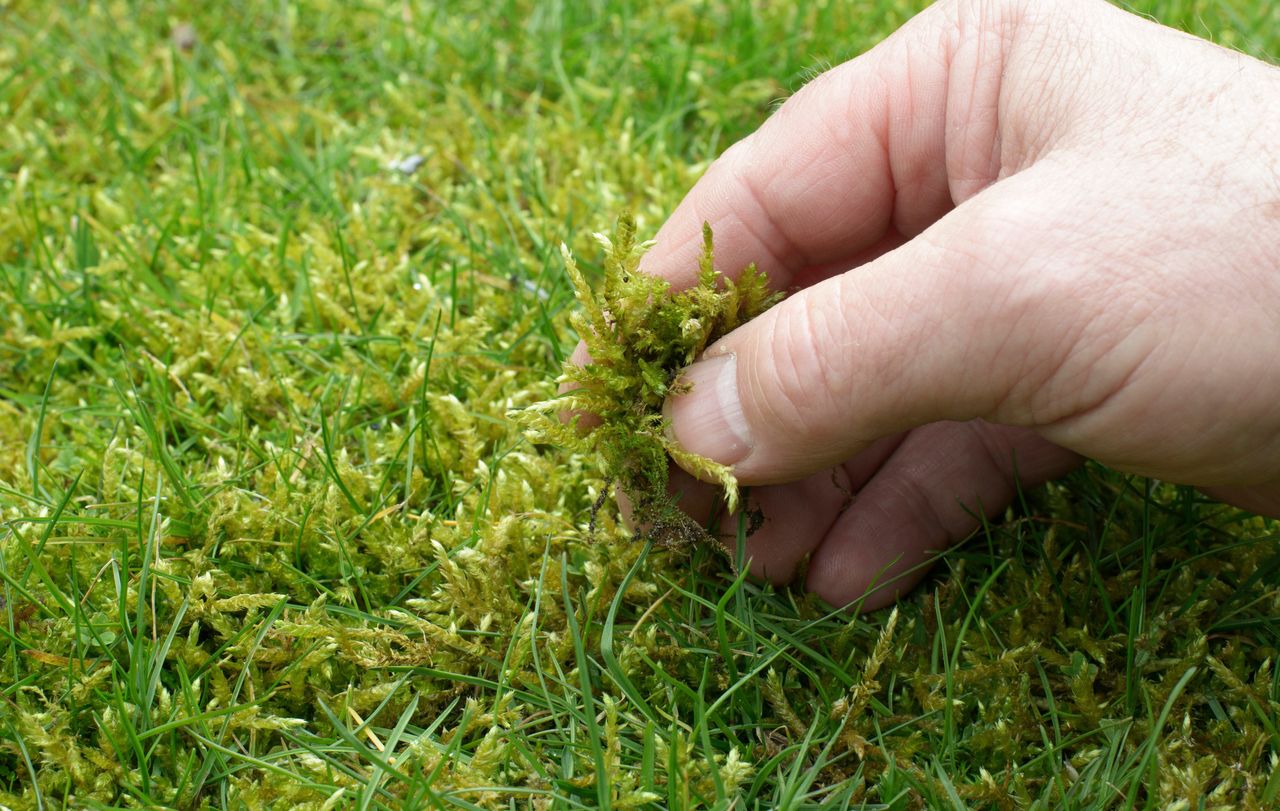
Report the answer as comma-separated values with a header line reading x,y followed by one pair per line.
x,y
268,538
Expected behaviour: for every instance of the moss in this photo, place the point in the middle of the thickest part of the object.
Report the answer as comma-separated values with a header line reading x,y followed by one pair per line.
x,y
640,335
268,538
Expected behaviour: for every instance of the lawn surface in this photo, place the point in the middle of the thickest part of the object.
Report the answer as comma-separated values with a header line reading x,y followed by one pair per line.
x,y
272,276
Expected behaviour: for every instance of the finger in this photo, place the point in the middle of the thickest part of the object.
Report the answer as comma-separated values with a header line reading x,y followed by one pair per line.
x,y
812,274
586,420
818,182
1263,499
971,319
885,143
862,467
797,516
927,496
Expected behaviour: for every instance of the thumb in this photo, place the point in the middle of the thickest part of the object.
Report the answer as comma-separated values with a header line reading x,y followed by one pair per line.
x,y
954,325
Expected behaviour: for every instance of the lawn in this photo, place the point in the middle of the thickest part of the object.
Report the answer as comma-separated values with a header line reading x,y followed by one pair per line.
x,y
273,277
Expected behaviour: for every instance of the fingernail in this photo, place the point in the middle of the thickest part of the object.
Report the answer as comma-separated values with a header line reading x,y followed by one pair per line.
x,y
708,420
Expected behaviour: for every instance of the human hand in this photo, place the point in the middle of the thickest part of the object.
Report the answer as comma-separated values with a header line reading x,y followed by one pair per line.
x,y
1020,233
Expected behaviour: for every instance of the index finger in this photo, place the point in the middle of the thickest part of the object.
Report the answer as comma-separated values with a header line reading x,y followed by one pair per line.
x,y
855,158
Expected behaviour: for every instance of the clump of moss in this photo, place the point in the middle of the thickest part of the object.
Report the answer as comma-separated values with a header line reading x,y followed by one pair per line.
x,y
640,335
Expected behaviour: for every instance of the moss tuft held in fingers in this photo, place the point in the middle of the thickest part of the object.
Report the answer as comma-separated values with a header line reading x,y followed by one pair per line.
x,y
640,335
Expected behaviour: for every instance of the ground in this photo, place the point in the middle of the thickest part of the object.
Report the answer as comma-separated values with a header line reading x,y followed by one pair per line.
x,y
273,277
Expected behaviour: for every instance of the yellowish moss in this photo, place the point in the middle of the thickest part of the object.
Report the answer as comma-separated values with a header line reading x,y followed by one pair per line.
x,y
640,335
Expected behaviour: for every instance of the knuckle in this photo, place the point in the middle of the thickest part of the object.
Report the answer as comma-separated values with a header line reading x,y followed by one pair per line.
x,y
807,356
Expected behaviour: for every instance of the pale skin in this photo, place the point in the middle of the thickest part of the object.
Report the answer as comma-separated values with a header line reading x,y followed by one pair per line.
x,y
1019,233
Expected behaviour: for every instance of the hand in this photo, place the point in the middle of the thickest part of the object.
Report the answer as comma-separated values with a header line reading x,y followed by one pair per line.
x,y
1019,234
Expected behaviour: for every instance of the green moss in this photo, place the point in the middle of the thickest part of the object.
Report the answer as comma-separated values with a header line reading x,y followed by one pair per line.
x,y
640,335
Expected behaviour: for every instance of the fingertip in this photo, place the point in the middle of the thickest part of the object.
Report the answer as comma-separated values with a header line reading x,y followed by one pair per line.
x,y
796,517
586,421
925,497
862,589
870,565
580,355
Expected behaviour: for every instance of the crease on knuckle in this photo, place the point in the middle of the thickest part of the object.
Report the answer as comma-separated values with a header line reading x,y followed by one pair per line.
x,y
996,457
923,512
808,356
743,179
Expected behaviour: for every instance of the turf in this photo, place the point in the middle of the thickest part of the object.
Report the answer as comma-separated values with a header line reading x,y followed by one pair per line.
x,y
273,276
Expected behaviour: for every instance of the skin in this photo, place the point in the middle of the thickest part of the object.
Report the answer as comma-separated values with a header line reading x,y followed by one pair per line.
x,y
1018,233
